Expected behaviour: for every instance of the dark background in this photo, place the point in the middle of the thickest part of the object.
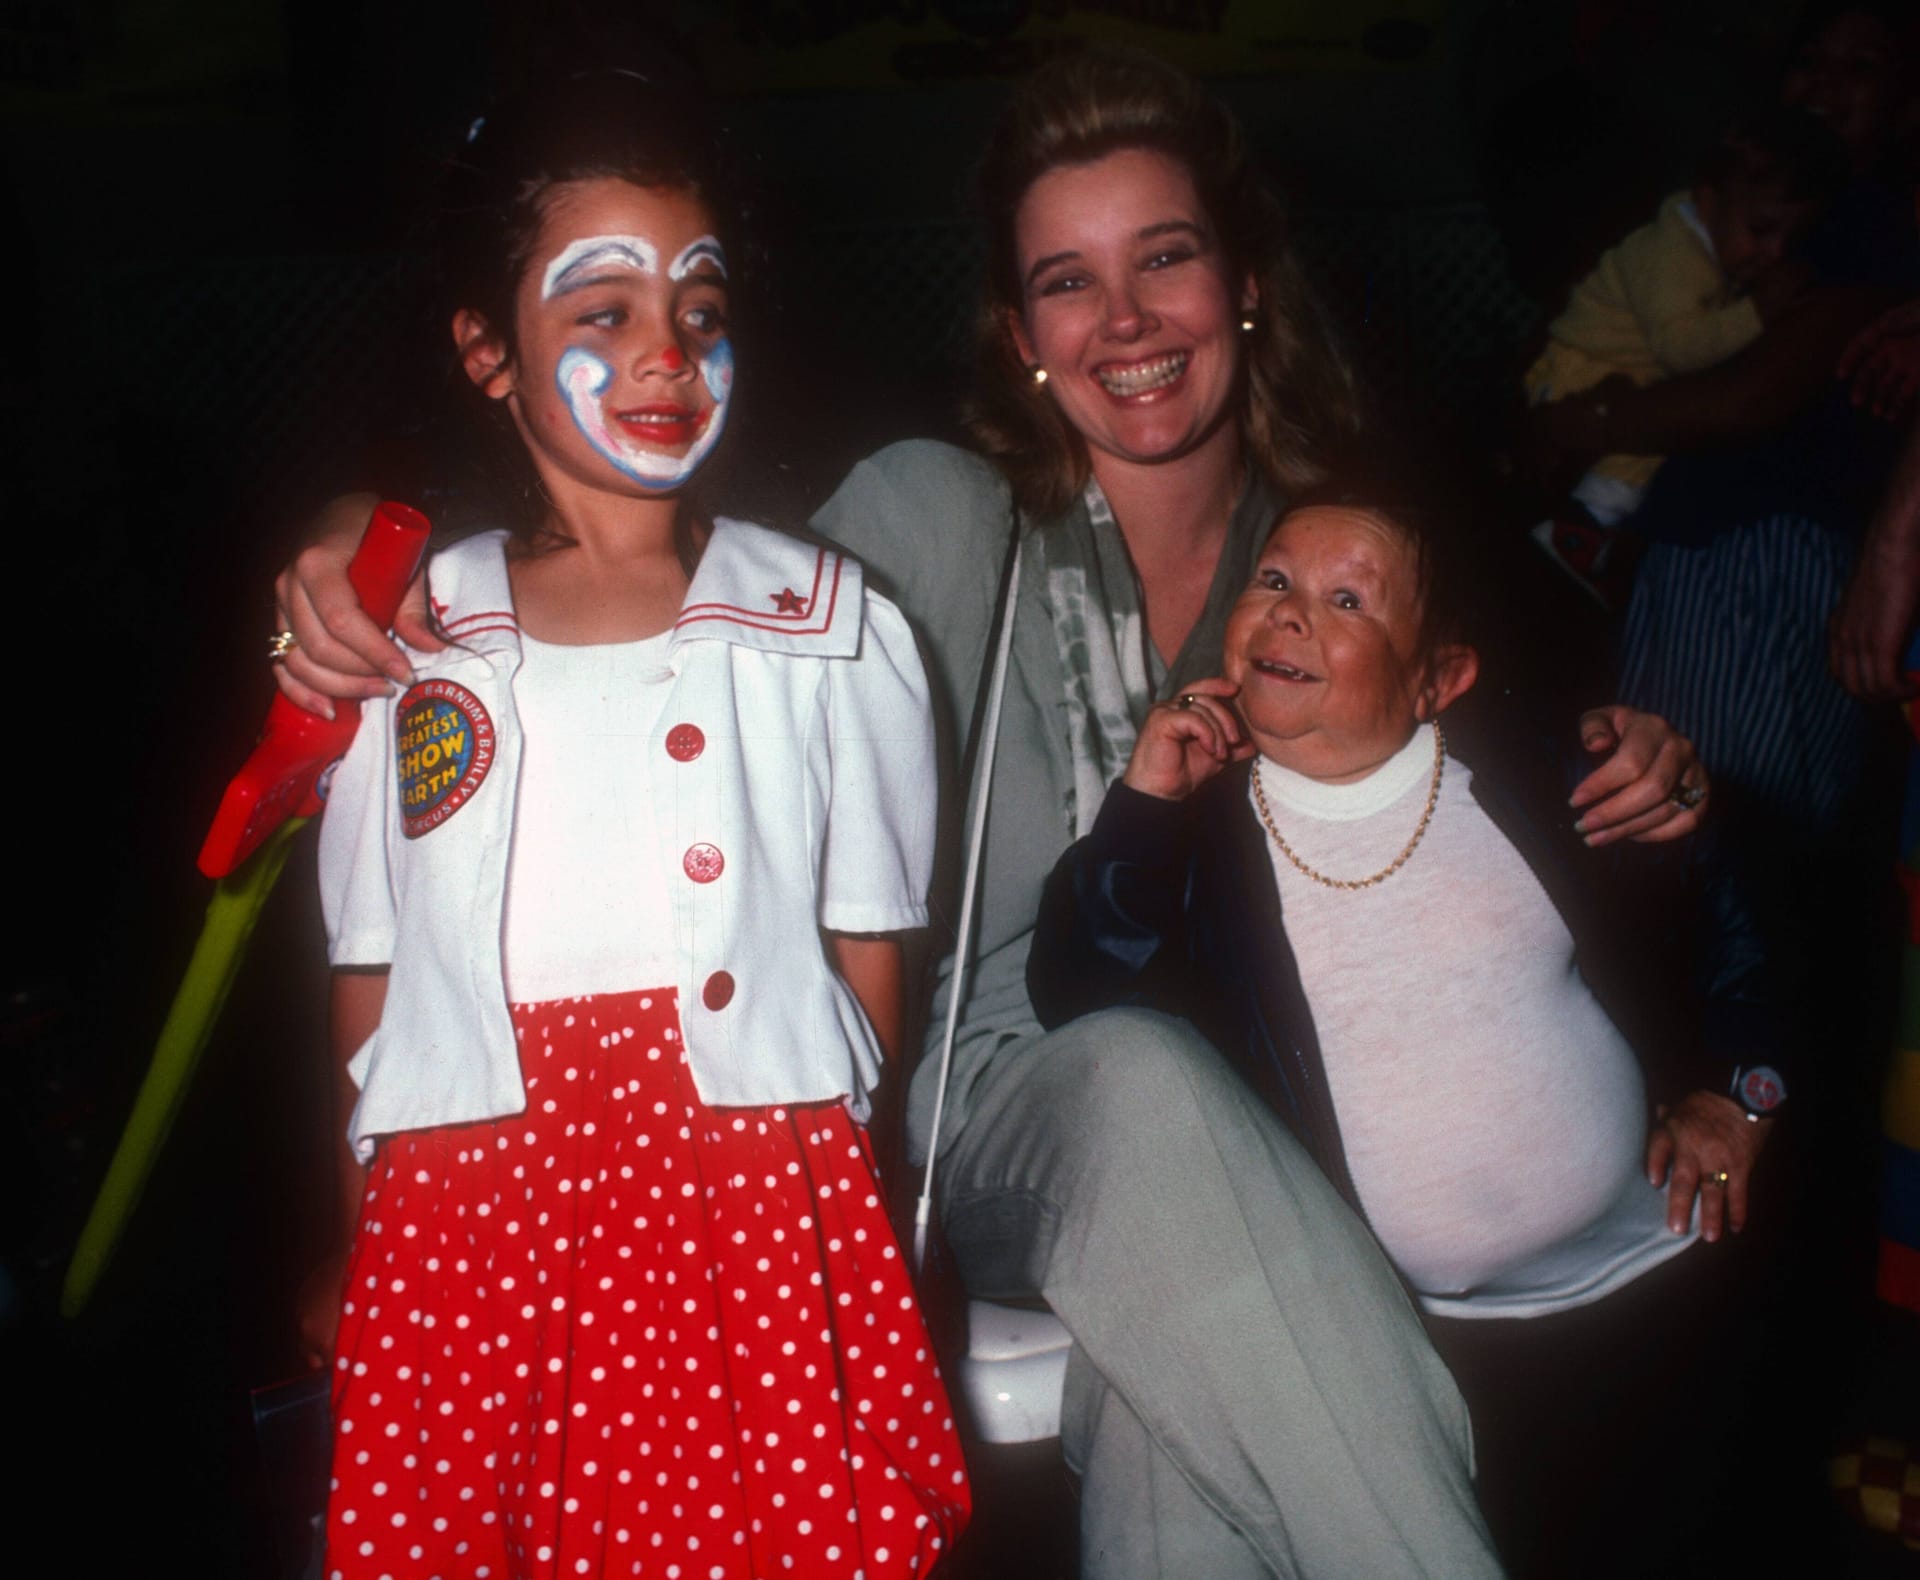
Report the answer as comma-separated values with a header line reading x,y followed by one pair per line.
x,y
215,320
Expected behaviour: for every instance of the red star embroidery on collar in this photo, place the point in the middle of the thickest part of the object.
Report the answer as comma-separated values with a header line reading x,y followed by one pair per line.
x,y
787,601
439,609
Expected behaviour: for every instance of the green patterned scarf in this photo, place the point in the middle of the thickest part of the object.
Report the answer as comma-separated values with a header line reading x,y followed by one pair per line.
x,y
1112,672
1100,626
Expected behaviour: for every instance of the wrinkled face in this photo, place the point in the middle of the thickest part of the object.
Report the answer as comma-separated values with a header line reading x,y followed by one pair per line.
x,y
1848,75
1127,304
1752,225
1325,645
624,372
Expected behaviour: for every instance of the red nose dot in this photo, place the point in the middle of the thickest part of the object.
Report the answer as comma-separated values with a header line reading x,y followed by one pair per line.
x,y
672,360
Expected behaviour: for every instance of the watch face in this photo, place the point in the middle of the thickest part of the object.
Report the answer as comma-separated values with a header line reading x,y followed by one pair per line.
x,y
1760,1089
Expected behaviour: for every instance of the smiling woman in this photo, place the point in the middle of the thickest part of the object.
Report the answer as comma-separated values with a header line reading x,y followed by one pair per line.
x,y
1165,181
1252,1397
1127,306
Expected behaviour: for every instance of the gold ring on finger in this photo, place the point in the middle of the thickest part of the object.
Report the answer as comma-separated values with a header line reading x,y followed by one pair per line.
x,y
1717,1177
279,645
1185,700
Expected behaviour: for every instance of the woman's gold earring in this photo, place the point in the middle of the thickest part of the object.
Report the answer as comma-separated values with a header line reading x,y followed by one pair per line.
x,y
1247,324
1037,373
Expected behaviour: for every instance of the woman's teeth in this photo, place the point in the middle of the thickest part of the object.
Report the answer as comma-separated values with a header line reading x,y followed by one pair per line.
x,y
1142,376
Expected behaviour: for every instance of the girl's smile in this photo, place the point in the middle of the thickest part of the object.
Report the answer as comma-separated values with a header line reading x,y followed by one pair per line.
x,y
665,425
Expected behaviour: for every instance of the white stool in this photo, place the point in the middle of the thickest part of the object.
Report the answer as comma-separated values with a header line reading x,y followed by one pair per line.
x,y
1014,1372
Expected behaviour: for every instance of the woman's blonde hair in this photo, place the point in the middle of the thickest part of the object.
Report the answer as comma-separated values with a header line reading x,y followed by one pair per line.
x,y
1299,397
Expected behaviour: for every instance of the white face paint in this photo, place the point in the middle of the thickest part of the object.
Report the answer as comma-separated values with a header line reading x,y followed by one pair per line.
x,y
593,256
705,250
583,376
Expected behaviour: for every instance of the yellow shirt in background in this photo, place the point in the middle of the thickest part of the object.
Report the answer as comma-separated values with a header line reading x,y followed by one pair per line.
x,y
1656,305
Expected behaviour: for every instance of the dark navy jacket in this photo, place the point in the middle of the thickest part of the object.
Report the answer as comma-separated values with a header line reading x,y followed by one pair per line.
x,y
1172,906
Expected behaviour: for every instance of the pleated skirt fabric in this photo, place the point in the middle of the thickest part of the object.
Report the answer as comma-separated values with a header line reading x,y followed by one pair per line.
x,y
627,1334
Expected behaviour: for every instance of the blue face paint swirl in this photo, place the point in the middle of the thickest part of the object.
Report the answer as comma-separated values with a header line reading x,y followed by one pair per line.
x,y
583,379
717,369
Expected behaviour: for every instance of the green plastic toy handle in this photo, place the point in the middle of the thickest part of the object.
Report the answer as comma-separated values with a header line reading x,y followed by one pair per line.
x,y
231,915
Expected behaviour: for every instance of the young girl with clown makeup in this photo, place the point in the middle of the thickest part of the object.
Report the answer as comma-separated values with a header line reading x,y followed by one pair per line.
x,y
612,890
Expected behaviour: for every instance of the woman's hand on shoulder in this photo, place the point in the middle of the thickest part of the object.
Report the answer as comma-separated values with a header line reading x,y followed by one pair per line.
x,y
1185,742
1702,1138
337,651
1650,787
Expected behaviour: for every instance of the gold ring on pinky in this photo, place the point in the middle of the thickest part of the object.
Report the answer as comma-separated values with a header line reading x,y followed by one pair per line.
x,y
279,645
1717,1177
1687,797
1185,700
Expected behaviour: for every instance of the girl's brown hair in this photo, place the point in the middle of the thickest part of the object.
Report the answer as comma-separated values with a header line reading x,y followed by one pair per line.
x,y
1299,396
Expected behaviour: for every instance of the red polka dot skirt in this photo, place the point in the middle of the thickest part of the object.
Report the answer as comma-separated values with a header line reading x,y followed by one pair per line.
x,y
628,1334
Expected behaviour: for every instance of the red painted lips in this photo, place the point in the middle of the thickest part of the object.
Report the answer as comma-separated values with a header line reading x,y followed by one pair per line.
x,y
663,424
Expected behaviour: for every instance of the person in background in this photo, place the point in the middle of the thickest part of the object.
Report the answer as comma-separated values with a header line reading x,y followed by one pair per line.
x,y
1756,527
1751,524
1681,293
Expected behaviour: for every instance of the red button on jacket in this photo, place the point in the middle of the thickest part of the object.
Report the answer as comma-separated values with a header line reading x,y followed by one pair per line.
x,y
685,742
718,992
703,863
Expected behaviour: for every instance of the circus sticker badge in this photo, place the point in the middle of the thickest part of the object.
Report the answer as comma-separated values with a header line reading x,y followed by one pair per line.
x,y
443,748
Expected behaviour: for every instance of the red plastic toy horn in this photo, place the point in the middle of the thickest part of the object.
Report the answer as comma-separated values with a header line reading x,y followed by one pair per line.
x,y
279,780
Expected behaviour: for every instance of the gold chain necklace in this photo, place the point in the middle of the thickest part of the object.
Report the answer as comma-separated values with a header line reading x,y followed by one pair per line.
x,y
1399,861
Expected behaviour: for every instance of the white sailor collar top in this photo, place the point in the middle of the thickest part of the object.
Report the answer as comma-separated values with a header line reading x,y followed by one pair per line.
x,y
792,777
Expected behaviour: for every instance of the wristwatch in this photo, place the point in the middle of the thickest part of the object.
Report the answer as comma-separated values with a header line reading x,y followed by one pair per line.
x,y
1759,1089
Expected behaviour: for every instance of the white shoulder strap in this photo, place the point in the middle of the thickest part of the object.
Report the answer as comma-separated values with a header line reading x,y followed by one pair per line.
x,y
969,886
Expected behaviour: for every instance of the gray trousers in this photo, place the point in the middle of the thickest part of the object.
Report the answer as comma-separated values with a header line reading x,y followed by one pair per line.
x,y
1250,1392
